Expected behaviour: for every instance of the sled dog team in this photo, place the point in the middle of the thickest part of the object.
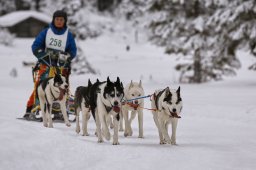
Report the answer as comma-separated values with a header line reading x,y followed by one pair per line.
x,y
110,103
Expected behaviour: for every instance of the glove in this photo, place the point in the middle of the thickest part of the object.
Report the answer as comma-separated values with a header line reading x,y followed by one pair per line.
x,y
39,53
63,56
69,59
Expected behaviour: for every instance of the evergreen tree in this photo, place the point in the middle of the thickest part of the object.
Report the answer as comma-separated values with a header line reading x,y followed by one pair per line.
x,y
132,15
234,20
75,10
208,30
7,6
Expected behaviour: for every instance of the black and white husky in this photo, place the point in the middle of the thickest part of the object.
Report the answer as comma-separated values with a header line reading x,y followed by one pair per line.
x,y
106,100
82,103
168,105
52,90
131,91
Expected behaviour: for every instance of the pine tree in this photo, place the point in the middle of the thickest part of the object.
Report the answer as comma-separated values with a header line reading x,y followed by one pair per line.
x,y
132,15
210,31
7,6
235,21
75,9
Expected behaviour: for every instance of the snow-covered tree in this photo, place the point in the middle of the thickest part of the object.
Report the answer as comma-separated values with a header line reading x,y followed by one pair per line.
x,y
7,6
235,20
206,30
79,26
130,16
6,38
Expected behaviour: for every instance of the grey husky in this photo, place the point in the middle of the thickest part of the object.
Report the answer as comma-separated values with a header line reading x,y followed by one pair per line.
x,y
82,104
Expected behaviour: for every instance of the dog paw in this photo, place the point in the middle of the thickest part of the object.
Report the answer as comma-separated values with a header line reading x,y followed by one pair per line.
x,y
125,134
162,142
121,130
68,124
140,136
116,143
45,125
77,131
173,143
85,134
130,133
100,140
169,141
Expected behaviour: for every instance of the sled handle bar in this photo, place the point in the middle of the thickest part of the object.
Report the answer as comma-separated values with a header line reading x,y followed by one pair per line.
x,y
50,59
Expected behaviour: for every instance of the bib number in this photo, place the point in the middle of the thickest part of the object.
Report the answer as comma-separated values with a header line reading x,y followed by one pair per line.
x,y
55,42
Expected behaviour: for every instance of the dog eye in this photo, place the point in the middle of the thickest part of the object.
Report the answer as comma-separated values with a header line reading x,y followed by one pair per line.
x,y
139,95
170,102
132,94
112,95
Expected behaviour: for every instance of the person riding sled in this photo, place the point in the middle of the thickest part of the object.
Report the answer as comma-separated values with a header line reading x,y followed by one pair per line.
x,y
56,39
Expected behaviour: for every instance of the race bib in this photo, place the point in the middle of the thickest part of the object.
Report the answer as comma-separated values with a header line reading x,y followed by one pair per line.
x,y
57,42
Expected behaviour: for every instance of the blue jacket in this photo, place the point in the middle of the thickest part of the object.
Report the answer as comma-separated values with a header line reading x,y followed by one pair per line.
x,y
39,42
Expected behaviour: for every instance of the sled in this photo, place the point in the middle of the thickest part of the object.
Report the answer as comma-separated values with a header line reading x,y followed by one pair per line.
x,y
54,62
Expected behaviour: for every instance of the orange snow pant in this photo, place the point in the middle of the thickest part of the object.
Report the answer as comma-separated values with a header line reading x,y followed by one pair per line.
x,y
42,73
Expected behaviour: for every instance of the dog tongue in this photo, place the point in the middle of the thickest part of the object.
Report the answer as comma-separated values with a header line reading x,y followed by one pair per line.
x,y
62,93
175,115
116,109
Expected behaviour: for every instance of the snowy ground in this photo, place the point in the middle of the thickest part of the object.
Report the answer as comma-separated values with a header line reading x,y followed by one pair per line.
x,y
216,131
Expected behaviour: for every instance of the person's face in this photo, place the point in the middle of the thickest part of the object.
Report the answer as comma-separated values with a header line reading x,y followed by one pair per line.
x,y
59,22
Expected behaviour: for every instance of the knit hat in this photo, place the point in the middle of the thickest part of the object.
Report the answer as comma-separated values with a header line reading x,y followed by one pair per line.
x,y
60,13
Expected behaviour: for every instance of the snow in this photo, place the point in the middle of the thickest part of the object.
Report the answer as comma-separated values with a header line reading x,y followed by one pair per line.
x,y
216,131
13,18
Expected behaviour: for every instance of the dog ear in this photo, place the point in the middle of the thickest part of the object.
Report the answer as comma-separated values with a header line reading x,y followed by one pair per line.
x,y
167,90
89,83
168,94
57,71
178,94
108,81
57,78
178,90
131,85
140,84
97,81
118,80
